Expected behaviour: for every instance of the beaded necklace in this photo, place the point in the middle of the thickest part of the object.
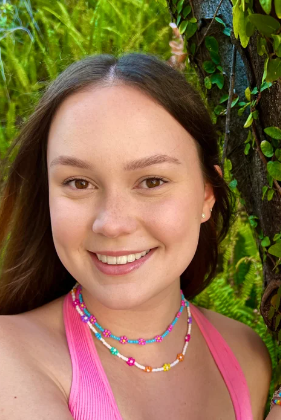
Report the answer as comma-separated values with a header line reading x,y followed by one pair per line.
x,y
123,339
129,360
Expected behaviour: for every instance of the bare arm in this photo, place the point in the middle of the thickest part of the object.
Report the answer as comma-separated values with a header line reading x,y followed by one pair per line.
x,y
26,391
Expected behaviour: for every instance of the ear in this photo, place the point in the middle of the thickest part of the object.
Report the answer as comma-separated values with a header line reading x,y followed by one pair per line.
x,y
209,198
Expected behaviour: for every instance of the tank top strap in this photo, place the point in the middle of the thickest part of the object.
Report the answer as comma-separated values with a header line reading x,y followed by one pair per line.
x,y
90,396
227,364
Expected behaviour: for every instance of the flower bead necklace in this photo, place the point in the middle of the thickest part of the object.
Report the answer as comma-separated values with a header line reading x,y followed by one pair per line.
x,y
130,360
123,339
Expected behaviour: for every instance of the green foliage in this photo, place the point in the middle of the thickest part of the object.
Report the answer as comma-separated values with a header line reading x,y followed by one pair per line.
x,y
237,290
36,45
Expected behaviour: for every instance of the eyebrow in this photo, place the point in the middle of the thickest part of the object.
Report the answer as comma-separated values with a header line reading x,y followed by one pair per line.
x,y
129,166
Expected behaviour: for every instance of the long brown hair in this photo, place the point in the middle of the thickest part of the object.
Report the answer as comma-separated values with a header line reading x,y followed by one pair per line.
x,y
31,271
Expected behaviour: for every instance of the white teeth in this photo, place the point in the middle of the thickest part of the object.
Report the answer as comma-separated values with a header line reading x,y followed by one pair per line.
x,y
131,258
123,259
111,260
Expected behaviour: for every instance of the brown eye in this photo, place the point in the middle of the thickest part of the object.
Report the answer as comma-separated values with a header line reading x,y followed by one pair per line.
x,y
153,182
81,184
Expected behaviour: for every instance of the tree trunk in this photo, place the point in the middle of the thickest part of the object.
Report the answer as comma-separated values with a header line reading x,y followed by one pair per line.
x,y
249,170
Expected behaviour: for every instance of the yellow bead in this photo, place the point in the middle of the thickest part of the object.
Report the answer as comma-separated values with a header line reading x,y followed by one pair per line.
x,y
166,367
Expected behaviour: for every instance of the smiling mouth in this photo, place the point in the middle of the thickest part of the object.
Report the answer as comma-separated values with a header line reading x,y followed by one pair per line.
x,y
123,259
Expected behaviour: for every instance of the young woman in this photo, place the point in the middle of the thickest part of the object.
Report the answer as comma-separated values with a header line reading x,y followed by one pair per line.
x,y
116,189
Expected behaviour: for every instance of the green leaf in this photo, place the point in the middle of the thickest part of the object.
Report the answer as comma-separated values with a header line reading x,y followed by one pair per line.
x,y
271,312
278,154
227,31
270,180
254,91
186,11
241,110
277,301
273,69
183,26
279,332
247,148
178,20
249,121
270,195
274,169
277,5
193,20
266,5
215,57
277,321
277,236
217,79
250,28
261,46
233,184
236,17
274,132
265,69
191,29
234,102
266,25
209,66
256,114
220,68
224,98
248,94
219,110
276,41
267,148
264,190
265,242
207,82
252,220
220,21
192,48
179,6
265,85
211,44
240,24
275,250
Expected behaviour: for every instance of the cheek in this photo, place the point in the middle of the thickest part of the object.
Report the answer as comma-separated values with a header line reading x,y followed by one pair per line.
x,y
176,218
176,226
68,221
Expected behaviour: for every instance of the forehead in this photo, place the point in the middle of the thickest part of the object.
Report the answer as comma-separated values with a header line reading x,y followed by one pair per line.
x,y
117,120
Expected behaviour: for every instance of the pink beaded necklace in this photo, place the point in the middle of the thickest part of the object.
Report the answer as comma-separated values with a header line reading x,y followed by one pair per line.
x,y
90,320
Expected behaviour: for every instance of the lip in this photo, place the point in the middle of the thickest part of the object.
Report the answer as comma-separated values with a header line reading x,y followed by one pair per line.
x,y
118,270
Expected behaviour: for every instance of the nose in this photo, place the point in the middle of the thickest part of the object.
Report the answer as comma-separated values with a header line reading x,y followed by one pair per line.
x,y
114,217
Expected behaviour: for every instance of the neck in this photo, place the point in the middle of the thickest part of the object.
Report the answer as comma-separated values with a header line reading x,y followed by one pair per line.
x,y
144,321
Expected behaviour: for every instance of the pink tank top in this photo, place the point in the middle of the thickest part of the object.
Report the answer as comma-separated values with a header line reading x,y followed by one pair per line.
x,y
91,397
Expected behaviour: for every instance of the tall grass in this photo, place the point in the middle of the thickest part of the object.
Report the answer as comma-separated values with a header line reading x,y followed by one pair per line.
x,y
38,41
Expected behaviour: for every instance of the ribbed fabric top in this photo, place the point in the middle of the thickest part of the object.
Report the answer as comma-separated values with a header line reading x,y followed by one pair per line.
x,y
91,397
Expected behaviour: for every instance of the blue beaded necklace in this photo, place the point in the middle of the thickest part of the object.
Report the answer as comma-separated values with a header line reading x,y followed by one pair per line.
x,y
123,339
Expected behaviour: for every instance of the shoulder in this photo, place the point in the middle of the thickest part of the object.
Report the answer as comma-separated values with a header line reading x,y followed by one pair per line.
x,y
34,349
251,353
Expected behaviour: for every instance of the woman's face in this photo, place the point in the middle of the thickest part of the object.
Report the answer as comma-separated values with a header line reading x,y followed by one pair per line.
x,y
98,137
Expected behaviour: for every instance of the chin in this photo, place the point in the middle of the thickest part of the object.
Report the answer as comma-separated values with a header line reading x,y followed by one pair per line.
x,y
121,298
